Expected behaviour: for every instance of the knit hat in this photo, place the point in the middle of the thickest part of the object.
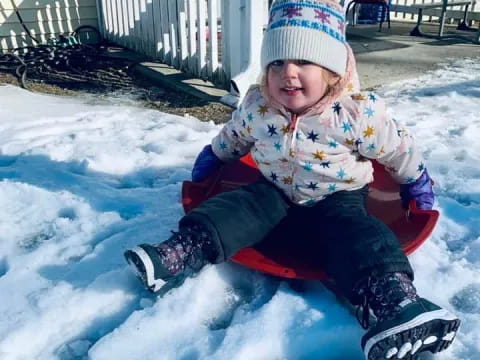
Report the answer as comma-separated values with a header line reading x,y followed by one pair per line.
x,y
312,30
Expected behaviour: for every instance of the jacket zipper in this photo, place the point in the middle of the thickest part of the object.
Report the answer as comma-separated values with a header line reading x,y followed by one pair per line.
x,y
293,130
293,134
293,122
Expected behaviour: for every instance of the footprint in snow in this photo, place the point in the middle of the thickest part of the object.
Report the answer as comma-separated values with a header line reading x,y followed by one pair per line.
x,y
467,300
6,161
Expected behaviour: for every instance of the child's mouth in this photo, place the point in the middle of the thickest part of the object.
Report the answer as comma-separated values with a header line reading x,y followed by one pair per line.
x,y
292,91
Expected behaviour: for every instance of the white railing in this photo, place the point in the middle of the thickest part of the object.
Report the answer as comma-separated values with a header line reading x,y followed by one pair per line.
x,y
402,10
210,39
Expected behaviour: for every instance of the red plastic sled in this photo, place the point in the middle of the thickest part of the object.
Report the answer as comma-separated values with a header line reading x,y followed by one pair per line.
x,y
412,227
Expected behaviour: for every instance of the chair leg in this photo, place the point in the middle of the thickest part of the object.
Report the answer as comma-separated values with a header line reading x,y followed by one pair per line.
x,y
442,25
382,17
388,15
348,9
416,30
463,25
354,13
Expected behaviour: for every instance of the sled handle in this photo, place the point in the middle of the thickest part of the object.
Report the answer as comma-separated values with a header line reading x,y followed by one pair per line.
x,y
428,218
413,210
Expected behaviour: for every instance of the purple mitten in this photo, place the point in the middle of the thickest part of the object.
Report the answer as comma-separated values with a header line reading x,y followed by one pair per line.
x,y
420,190
206,163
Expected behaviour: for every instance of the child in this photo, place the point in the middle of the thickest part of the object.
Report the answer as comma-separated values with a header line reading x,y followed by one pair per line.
x,y
311,136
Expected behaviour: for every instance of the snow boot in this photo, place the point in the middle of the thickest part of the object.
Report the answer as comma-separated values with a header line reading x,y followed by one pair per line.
x,y
171,261
406,324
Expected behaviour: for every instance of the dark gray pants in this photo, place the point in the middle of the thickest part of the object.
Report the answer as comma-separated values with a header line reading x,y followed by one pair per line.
x,y
348,242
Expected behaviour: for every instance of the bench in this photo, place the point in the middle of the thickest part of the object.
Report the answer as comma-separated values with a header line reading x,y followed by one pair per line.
x,y
443,5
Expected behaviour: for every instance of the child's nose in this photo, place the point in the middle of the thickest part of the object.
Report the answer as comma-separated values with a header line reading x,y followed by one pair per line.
x,y
290,70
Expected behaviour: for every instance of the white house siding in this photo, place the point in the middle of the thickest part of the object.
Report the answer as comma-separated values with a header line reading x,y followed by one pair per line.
x,y
45,19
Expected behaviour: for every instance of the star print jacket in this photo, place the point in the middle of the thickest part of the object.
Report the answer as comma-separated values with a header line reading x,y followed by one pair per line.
x,y
325,149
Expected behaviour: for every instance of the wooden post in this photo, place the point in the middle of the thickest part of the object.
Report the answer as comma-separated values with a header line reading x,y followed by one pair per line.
x,y
130,24
192,42
226,38
119,16
113,4
182,33
126,28
150,29
108,17
201,37
213,40
164,30
173,30
157,30
138,25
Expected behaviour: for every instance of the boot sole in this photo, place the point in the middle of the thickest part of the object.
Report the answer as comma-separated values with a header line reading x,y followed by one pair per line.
x,y
433,331
138,257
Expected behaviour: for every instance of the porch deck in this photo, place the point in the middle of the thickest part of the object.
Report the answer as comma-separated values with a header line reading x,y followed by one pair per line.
x,y
392,54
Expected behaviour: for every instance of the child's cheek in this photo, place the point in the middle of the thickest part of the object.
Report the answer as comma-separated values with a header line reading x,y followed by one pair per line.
x,y
273,93
272,86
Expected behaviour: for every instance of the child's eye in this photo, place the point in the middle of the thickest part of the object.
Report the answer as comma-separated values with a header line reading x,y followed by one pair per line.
x,y
277,63
303,62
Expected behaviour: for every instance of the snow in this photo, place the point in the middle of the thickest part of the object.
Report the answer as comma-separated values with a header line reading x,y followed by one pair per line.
x,y
84,179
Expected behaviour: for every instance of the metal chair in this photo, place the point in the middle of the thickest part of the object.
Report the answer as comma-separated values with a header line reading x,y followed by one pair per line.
x,y
383,3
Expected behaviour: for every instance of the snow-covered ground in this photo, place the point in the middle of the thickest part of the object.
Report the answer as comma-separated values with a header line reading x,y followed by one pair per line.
x,y
81,180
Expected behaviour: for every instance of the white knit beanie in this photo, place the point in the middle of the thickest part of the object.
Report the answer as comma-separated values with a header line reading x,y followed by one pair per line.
x,y
312,30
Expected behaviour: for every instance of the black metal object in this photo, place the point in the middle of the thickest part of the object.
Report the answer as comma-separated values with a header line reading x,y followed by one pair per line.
x,y
76,60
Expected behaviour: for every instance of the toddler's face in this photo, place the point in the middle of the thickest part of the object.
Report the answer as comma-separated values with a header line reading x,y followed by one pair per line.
x,y
298,84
